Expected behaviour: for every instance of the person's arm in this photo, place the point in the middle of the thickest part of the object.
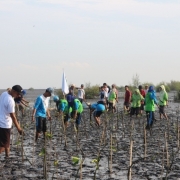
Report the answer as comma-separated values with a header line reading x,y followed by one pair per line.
x,y
76,106
48,114
14,119
33,114
24,104
24,100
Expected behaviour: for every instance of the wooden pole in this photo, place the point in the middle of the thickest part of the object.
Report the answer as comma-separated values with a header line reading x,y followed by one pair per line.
x,y
130,160
145,145
167,153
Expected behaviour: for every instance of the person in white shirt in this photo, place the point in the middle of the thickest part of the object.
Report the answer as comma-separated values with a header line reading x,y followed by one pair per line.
x,y
7,116
81,93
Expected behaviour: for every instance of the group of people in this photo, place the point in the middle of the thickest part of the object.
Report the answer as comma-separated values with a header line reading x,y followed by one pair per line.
x,y
71,107
145,100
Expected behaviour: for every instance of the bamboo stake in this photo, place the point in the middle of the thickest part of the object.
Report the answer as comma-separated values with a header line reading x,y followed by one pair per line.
x,y
162,164
45,164
130,159
64,130
167,153
177,133
145,145
111,155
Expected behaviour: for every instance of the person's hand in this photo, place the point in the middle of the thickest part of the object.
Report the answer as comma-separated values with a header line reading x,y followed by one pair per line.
x,y
33,118
20,131
49,118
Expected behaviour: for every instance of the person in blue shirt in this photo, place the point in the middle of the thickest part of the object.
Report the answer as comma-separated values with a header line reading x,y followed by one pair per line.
x,y
40,112
97,109
100,108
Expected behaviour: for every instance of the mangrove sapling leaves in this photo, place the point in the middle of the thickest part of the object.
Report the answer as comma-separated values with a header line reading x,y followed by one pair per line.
x,y
42,153
75,160
113,149
96,162
18,143
48,135
56,163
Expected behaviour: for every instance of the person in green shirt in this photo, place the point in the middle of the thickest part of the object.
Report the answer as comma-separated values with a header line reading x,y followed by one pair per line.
x,y
63,109
112,98
150,101
77,110
163,102
136,102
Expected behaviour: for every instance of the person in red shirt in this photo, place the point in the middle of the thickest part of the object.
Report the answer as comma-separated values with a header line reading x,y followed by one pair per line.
x,y
143,93
127,99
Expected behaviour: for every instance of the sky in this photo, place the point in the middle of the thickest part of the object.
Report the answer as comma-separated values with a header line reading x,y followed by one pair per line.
x,y
92,41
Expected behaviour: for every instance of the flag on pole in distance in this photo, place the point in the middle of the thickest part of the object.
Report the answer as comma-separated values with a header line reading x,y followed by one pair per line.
x,y
65,88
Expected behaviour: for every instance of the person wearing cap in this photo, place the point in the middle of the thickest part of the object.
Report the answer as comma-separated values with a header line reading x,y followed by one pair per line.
x,y
21,103
41,112
99,109
71,90
77,110
81,93
7,116
64,110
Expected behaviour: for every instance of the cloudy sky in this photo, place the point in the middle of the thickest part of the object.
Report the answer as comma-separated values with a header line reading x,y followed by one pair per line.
x,y
94,41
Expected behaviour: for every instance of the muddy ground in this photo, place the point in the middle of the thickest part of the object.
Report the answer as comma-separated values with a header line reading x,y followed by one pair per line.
x,y
160,161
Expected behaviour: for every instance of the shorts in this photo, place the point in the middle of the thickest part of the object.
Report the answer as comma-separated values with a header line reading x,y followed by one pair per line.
x,y
97,113
111,105
41,124
134,110
66,117
5,137
142,107
162,109
127,104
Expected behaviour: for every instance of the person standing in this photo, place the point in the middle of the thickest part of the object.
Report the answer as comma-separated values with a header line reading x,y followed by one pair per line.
x,y
103,96
112,99
136,102
7,116
40,112
146,88
163,102
81,93
150,101
143,93
127,99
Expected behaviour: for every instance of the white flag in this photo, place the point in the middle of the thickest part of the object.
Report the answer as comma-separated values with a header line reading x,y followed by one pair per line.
x,y
65,88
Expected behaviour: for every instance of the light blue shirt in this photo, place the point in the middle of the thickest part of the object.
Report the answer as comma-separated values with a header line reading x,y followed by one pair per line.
x,y
41,106
100,107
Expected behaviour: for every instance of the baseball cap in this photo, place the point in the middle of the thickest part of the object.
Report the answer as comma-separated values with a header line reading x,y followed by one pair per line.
x,y
50,90
18,89
55,98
